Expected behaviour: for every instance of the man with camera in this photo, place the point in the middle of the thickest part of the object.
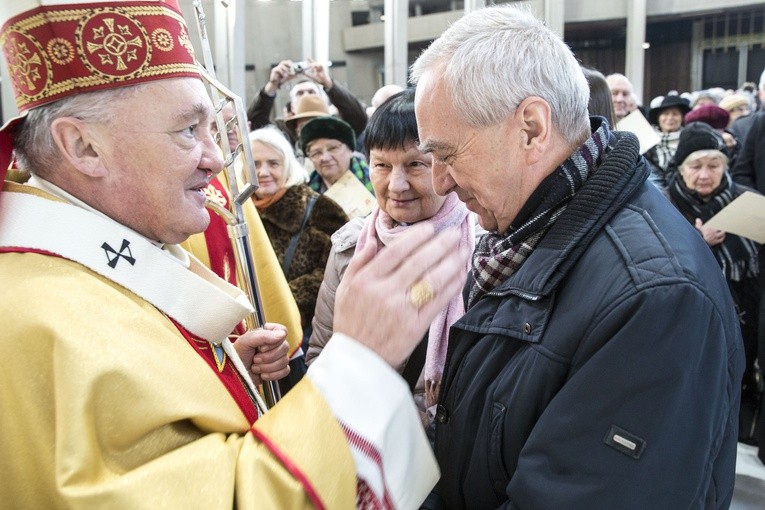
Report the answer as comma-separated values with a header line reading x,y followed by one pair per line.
x,y
313,80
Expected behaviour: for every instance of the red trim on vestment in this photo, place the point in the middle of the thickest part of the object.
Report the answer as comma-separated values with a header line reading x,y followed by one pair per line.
x,y
19,249
363,445
229,376
220,248
293,469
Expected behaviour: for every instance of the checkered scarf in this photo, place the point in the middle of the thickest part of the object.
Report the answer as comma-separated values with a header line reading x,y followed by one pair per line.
x,y
667,147
498,256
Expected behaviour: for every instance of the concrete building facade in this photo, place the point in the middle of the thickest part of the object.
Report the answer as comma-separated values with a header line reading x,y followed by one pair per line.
x,y
661,45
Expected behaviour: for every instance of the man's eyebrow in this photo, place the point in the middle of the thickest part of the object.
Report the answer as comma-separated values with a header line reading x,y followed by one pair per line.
x,y
193,112
429,146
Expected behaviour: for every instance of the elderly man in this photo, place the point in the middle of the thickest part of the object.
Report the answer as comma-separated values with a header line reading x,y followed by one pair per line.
x,y
621,95
124,391
598,364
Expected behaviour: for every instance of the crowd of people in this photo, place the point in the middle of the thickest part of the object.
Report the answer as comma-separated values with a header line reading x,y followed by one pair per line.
x,y
705,158
530,314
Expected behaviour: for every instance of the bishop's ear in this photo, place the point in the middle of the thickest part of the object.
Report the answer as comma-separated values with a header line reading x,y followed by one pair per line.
x,y
78,143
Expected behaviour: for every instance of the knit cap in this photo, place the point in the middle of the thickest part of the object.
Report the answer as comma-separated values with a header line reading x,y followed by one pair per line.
x,y
697,136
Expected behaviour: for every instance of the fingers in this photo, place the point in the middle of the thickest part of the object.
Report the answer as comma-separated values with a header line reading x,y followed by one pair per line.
x,y
446,279
374,303
273,326
360,260
272,364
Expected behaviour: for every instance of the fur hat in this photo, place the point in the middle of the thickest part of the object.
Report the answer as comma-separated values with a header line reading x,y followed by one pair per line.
x,y
711,114
670,101
327,127
57,49
697,136
308,107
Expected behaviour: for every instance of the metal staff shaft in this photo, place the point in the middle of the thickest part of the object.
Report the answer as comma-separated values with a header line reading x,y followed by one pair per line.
x,y
235,221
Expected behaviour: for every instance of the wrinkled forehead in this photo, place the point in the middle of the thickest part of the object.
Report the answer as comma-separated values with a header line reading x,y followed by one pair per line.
x,y
306,87
708,156
619,84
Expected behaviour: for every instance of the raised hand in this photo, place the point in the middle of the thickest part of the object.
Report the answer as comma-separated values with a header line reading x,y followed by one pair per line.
x,y
387,300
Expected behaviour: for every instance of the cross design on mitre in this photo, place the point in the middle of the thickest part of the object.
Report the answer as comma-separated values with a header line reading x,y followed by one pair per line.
x,y
114,44
25,64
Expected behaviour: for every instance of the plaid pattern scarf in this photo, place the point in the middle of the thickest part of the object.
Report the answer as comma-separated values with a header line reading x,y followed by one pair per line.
x,y
667,147
358,167
498,256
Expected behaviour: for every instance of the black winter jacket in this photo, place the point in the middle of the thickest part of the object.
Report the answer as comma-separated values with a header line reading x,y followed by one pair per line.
x,y
605,373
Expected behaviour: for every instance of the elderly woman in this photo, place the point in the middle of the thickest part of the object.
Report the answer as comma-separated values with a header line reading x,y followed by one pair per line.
x,y
402,180
667,117
700,189
298,221
328,143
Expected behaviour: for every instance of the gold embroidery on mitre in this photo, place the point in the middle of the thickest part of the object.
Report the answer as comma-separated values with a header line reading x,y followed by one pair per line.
x,y
162,39
183,38
29,69
113,44
60,51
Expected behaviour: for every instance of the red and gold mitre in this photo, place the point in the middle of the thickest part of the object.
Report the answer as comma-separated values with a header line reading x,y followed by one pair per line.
x,y
55,49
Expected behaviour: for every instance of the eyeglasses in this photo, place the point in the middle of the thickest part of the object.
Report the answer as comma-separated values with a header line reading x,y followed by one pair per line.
x,y
332,150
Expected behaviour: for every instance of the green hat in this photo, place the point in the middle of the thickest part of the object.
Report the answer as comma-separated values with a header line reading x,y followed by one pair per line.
x,y
327,127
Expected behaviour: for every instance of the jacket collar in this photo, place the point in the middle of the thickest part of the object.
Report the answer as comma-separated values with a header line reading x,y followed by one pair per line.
x,y
602,195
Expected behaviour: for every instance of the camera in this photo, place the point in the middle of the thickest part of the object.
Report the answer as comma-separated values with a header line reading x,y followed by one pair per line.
x,y
299,67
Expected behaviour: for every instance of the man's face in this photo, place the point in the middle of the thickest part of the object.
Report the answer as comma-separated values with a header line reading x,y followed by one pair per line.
x,y
228,114
331,158
160,155
621,90
306,88
482,165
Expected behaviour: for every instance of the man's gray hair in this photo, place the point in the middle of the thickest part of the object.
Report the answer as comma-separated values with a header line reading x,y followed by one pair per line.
x,y
33,143
495,57
294,172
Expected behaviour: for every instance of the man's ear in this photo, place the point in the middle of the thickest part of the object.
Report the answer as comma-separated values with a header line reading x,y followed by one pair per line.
x,y
536,118
76,140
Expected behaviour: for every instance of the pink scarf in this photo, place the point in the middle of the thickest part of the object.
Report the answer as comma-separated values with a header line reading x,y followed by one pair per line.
x,y
379,228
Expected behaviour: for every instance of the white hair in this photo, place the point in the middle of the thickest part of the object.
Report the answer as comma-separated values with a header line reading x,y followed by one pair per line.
x,y
34,147
495,57
294,172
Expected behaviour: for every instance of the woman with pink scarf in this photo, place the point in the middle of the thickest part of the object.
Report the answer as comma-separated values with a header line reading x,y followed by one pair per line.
x,y
401,177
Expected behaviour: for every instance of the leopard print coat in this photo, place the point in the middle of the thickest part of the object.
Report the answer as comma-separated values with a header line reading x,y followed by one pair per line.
x,y
282,219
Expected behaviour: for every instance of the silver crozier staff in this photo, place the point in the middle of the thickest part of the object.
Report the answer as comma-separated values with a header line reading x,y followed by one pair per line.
x,y
237,227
